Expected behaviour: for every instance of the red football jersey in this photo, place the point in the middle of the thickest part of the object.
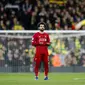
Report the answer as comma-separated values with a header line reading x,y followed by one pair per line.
x,y
41,42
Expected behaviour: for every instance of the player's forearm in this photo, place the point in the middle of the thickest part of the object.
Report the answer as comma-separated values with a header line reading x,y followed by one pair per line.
x,y
48,43
41,43
34,44
45,44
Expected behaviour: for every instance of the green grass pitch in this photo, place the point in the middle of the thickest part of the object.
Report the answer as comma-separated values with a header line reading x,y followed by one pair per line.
x,y
55,79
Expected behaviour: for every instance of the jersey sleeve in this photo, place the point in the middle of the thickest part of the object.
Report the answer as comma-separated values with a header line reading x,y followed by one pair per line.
x,y
34,40
48,40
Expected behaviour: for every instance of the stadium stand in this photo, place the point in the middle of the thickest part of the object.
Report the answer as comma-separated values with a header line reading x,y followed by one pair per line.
x,y
25,14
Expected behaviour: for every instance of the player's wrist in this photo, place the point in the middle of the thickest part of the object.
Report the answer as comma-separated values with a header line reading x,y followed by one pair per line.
x,y
47,43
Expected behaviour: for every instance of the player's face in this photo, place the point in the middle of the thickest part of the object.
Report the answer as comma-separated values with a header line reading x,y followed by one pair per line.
x,y
42,27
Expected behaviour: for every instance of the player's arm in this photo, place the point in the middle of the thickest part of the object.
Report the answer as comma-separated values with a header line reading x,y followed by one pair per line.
x,y
34,40
48,40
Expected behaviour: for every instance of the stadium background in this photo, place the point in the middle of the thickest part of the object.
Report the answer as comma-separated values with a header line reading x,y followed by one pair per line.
x,y
25,14
67,50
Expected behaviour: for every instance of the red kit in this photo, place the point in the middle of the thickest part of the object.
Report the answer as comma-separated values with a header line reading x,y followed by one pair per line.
x,y
41,42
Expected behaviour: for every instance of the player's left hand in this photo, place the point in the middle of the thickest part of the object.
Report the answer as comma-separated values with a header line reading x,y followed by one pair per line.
x,y
47,43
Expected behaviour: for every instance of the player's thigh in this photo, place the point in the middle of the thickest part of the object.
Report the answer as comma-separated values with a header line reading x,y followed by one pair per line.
x,y
37,59
45,59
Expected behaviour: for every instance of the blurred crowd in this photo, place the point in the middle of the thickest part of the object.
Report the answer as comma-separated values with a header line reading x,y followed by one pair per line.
x,y
67,51
14,52
25,14
62,52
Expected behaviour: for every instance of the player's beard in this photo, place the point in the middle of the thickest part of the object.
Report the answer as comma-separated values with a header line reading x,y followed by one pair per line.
x,y
42,29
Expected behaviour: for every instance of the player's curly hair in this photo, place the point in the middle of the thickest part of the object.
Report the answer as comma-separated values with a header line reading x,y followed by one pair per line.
x,y
38,25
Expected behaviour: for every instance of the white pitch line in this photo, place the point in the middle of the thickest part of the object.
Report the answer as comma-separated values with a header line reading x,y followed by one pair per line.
x,y
78,78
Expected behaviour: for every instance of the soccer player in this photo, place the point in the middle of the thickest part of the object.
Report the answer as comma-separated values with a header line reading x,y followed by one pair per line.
x,y
41,41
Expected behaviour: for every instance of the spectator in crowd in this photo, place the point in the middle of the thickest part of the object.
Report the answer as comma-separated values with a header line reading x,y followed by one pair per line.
x,y
10,56
26,58
70,60
82,60
17,25
2,52
26,14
